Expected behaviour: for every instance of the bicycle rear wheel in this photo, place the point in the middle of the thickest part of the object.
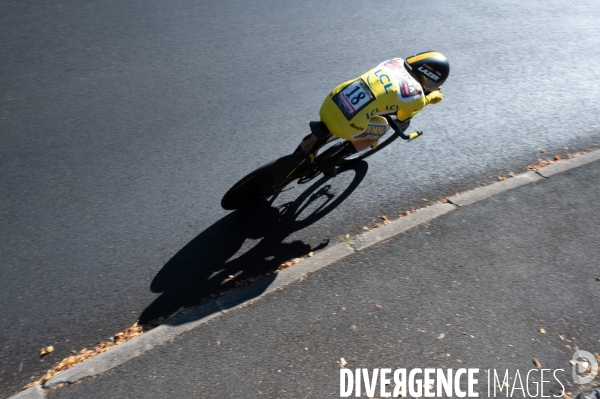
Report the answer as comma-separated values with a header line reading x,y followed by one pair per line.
x,y
263,182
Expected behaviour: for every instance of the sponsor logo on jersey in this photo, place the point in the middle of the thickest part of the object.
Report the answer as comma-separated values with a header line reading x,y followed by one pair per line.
x,y
408,88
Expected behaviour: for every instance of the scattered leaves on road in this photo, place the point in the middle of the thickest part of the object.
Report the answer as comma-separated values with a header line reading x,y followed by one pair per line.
x,y
502,177
342,362
557,158
542,330
441,336
46,350
86,354
537,363
289,263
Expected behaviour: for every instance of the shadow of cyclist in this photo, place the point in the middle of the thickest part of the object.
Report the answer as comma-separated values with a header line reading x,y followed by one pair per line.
x,y
244,245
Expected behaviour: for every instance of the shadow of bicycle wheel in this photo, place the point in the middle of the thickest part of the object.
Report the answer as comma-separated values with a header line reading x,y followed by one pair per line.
x,y
244,246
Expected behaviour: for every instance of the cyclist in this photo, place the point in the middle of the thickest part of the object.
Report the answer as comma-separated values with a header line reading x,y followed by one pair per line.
x,y
353,110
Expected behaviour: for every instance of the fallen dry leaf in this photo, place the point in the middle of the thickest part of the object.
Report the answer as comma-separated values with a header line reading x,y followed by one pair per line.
x,y
441,336
46,350
366,228
557,158
500,178
542,330
86,354
376,225
378,306
543,151
572,362
310,254
598,278
537,363
512,174
289,263
383,217
342,362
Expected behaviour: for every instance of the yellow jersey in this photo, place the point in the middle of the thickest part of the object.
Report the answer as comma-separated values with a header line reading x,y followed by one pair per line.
x,y
386,89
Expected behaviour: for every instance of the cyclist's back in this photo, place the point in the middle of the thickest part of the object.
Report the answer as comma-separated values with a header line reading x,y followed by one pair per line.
x,y
386,89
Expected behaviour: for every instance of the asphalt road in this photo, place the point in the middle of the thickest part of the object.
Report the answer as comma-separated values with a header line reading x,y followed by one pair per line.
x,y
123,123
471,289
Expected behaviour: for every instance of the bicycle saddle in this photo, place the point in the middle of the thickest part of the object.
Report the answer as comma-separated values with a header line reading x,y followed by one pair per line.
x,y
319,129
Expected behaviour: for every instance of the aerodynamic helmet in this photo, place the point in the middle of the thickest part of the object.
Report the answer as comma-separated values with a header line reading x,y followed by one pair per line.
x,y
430,68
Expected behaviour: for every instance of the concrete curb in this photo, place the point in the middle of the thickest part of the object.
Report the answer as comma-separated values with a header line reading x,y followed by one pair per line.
x,y
568,164
169,331
287,276
223,305
482,193
135,347
398,226
35,392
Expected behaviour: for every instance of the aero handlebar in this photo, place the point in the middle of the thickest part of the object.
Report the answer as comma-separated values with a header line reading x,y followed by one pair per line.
x,y
399,131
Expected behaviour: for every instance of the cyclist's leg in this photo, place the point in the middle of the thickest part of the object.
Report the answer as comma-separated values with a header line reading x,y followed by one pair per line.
x,y
316,139
307,142
363,144
376,128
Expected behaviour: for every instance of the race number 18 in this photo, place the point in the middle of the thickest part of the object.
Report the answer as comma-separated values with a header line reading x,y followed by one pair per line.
x,y
356,95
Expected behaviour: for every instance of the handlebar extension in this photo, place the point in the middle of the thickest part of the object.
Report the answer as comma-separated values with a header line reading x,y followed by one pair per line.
x,y
399,131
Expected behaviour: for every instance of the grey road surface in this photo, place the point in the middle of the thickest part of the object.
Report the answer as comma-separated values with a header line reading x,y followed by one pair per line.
x,y
123,123
472,289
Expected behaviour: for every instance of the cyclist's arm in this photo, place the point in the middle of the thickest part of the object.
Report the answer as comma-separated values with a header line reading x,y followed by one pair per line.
x,y
434,97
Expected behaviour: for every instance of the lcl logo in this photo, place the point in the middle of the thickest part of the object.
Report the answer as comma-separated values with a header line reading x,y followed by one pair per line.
x,y
584,363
